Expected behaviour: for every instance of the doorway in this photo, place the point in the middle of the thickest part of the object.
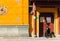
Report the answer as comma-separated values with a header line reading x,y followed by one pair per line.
x,y
45,18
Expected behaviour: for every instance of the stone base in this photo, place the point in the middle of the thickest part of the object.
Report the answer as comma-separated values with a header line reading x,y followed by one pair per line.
x,y
21,31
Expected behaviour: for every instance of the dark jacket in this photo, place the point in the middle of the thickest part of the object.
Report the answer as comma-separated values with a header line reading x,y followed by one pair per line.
x,y
48,31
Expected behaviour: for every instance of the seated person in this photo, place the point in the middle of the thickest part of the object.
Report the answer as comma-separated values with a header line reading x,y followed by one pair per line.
x,y
52,34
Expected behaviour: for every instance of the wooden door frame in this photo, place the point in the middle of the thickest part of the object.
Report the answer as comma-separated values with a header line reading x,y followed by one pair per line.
x,y
55,11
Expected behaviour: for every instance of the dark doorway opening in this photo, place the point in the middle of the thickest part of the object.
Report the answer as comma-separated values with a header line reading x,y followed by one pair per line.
x,y
45,18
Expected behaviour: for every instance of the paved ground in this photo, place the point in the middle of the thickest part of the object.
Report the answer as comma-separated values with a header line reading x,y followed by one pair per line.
x,y
28,39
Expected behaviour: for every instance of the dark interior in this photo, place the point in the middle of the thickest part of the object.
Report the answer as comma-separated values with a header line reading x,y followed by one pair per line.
x,y
44,14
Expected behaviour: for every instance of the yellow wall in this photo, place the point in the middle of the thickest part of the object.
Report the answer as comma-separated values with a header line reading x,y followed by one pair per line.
x,y
17,12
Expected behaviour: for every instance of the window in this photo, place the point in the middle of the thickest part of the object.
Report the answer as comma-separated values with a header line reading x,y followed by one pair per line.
x,y
48,19
41,19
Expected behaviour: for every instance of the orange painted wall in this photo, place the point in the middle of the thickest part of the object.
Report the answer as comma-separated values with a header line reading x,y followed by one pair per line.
x,y
17,12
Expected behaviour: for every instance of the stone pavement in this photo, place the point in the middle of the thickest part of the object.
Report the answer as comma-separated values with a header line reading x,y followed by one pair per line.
x,y
28,39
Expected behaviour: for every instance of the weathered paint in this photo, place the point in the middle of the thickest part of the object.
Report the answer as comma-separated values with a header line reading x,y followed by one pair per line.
x,y
17,12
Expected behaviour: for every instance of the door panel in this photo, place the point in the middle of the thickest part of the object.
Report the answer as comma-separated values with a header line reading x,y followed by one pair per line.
x,y
45,18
